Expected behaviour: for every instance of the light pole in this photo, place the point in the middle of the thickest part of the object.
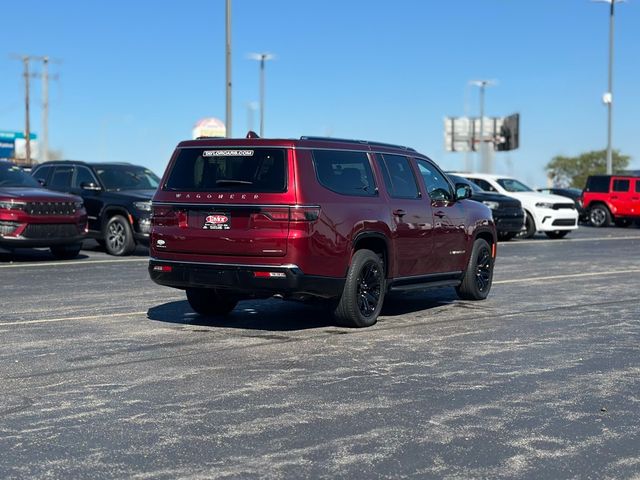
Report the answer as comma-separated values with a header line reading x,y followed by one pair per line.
x,y
483,84
608,96
228,65
262,57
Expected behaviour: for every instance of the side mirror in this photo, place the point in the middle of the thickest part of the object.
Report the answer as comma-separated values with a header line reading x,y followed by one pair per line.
x,y
90,186
462,191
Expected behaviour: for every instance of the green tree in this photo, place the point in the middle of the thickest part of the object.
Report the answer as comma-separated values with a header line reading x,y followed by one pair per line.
x,y
573,171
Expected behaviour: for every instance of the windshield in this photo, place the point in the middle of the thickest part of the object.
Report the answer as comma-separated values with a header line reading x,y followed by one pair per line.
x,y
511,185
14,176
127,177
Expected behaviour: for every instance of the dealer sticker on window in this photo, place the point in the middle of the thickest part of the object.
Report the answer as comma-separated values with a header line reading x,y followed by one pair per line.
x,y
217,221
227,153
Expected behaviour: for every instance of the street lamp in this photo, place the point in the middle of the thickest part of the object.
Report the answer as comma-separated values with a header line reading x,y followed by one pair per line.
x,y
608,96
483,84
262,57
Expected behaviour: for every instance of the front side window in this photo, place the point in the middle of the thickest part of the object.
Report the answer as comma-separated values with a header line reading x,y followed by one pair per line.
x,y
398,176
83,176
229,170
127,177
42,173
637,186
620,185
61,177
483,184
438,187
347,173
512,185
13,176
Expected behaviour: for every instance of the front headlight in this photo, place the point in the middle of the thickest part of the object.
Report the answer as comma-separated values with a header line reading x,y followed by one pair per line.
x,y
78,205
143,206
544,205
11,205
491,205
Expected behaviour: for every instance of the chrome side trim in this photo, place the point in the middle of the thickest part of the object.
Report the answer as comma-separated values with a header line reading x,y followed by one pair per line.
x,y
288,266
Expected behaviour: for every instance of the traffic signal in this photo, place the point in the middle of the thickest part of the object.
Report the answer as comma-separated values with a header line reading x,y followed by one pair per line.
x,y
509,133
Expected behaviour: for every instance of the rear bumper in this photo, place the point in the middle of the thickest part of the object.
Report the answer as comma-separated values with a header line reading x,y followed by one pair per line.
x,y
286,280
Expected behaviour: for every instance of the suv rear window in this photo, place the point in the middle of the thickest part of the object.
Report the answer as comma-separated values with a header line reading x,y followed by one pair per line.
x,y
223,170
347,173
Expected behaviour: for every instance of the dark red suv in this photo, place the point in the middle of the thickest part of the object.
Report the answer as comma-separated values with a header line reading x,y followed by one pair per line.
x,y
341,220
31,216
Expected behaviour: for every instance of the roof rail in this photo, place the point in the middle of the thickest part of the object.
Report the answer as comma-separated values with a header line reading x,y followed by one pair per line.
x,y
360,142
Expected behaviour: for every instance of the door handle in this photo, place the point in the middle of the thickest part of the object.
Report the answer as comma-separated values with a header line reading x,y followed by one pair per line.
x,y
439,214
399,212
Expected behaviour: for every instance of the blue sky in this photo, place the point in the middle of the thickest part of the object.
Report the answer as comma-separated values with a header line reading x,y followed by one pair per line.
x,y
136,75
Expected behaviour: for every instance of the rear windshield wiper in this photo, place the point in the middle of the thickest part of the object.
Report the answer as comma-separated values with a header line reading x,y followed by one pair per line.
x,y
233,182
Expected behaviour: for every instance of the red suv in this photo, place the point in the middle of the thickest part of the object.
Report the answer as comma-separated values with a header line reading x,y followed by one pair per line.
x,y
31,216
610,198
341,220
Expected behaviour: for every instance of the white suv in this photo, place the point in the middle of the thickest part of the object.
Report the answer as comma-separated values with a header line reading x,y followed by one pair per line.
x,y
552,214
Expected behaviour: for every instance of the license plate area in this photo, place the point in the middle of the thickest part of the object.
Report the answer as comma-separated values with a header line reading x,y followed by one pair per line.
x,y
215,221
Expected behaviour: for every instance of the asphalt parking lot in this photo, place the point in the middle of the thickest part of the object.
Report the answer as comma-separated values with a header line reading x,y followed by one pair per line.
x,y
107,375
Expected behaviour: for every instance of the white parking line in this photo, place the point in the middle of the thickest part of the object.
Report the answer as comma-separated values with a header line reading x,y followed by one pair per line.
x,y
564,277
74,263
70,319
565,240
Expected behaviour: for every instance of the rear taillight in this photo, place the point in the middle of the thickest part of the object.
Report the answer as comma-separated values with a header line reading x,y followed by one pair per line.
x,y
284,214
166,216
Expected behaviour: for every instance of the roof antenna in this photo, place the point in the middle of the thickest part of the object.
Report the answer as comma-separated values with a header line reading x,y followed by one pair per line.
x,y
252,134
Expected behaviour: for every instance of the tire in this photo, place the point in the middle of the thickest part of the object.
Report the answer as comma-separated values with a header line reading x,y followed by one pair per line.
x,y
66,252
599,216
476,282
557,234
208,302
506,236
364,291
118,237
529,229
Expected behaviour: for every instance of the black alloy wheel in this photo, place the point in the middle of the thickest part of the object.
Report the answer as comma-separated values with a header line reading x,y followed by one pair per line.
x,y
478,276
364,291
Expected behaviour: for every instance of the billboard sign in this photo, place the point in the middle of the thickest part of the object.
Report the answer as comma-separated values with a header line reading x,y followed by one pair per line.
x,y
209,127
462,134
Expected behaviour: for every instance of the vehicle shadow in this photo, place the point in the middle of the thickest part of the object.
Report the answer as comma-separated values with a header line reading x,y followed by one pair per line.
x,y
398,304
273,315
91,245
34,255
281,316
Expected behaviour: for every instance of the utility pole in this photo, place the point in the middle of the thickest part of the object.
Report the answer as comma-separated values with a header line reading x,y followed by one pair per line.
x,y
486,162
607,98
27,130
262,58
228,57
44,148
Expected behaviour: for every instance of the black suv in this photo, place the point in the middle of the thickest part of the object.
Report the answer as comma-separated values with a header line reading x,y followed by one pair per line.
x,y
117,197
507,211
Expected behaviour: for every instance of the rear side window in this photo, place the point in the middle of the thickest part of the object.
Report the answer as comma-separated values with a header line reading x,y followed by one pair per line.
x,y
347,173
620,185
398,176
598,184
224,170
